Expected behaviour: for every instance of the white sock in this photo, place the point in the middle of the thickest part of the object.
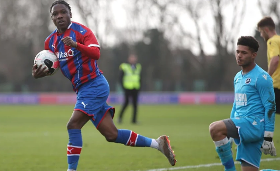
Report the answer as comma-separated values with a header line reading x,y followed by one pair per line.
x,y
70,170
154,144
221,142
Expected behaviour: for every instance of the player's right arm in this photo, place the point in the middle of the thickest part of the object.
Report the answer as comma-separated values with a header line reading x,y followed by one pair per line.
x,y
40,71
232,114
233,110
273,51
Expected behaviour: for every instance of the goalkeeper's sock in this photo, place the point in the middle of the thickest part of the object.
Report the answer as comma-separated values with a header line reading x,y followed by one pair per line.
x,y
74,148
223,148
130,138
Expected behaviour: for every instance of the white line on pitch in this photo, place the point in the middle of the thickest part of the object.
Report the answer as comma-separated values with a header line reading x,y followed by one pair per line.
x,y
204,165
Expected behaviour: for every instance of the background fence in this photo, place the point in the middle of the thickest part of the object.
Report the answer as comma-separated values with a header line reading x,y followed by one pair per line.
x,y
117,98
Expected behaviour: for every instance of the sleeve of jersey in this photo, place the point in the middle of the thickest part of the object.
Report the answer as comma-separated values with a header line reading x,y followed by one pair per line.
x,y
264,86
47,45
233,110
272,48
232,114
90,46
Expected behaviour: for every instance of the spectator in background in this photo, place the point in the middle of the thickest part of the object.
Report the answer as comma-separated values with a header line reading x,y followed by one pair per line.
x,y
266,28
130,78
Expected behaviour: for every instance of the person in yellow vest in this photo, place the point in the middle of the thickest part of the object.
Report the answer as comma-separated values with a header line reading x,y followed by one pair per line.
x,y
130,78
266,27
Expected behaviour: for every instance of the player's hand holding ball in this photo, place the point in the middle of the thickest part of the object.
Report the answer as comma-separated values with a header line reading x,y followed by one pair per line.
x,y
268,145
69,42
39,72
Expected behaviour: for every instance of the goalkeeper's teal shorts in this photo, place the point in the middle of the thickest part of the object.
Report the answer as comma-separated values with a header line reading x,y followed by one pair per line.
x,y
251,132
92,97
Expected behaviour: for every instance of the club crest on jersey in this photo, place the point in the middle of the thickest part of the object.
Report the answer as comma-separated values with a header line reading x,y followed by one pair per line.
x,y
248,80
62,56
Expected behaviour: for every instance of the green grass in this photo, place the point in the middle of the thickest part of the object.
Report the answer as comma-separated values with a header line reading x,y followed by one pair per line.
x,y
34,138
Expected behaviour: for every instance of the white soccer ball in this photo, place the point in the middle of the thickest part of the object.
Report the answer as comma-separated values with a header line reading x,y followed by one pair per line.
x,y
47,58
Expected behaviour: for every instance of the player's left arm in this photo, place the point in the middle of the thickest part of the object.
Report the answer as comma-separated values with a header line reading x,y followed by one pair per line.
x,y
264,86
88,44
273,50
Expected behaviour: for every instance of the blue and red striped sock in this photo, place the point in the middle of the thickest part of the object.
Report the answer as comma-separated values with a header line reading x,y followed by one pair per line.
x,y
74,148
130,138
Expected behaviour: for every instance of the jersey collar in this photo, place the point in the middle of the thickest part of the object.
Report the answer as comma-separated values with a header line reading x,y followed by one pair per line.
x,y
67,28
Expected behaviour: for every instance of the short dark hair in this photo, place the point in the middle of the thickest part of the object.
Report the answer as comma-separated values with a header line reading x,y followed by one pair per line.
x,y
249,41
266,22
60,2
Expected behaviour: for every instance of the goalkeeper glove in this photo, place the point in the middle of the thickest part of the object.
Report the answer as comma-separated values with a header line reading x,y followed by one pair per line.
x,y
268,145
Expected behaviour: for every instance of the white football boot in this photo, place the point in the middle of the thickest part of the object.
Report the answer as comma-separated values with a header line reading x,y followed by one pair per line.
x,y
165,147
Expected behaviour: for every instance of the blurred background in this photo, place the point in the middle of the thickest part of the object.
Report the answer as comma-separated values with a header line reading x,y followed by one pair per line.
x,y
183,45
187,52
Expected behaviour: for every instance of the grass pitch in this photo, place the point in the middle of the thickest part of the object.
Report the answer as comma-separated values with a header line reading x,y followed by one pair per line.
x,y
34,138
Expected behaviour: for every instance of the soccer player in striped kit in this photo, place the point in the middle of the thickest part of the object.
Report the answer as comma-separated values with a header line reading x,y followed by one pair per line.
x,y
78,51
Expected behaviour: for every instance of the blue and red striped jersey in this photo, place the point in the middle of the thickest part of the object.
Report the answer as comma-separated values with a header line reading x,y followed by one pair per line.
x,y
74,64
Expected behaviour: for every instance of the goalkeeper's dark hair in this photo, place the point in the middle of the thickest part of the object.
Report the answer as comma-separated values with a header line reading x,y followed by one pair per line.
x,y
60,2
249,41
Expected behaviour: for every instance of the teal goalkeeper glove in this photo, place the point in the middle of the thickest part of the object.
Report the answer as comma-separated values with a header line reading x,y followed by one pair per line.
x,y
268,145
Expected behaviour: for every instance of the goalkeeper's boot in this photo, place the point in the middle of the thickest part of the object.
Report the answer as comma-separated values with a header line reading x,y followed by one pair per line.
x,y
165,147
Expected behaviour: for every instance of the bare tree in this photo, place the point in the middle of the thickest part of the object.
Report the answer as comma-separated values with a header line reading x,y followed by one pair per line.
x,y
270,8
97,16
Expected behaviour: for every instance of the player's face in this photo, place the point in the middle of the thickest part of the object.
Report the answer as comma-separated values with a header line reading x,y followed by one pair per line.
x,y
263,34
61,17
244,56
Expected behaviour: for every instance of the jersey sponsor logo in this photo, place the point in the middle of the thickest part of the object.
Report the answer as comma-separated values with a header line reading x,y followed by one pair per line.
x,y
241,99
63,56
248,80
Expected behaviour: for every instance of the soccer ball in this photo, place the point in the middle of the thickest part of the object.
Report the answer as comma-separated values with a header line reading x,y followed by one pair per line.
x,y
47,58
